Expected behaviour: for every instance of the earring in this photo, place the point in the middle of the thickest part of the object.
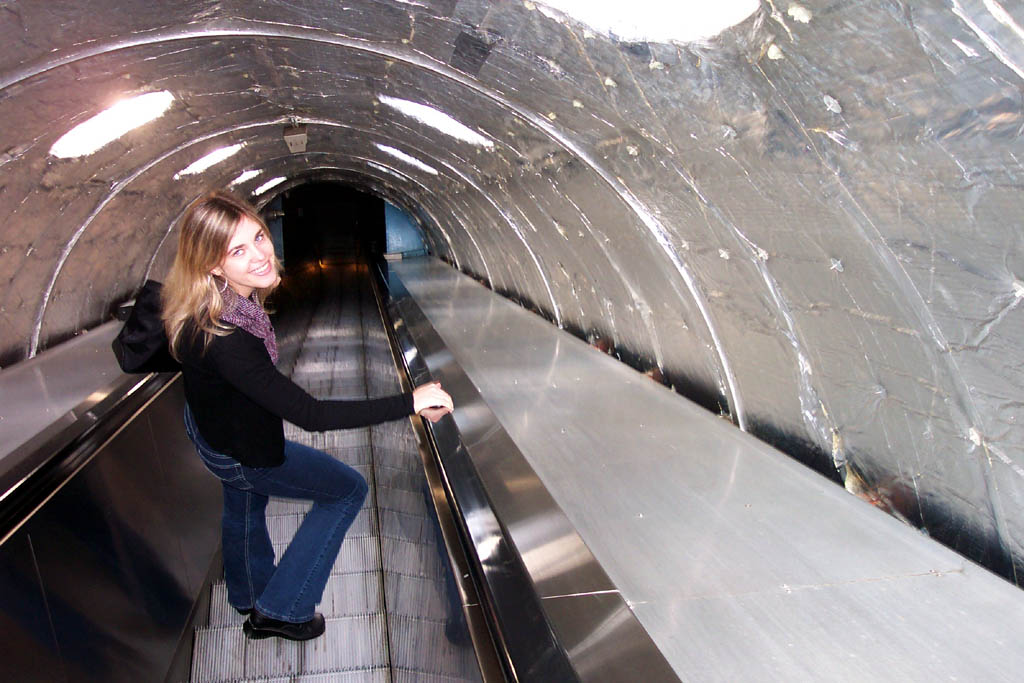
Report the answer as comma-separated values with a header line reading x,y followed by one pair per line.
x,y
213,280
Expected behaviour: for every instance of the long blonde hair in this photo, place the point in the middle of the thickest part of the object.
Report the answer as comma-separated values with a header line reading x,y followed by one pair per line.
x,y
191,294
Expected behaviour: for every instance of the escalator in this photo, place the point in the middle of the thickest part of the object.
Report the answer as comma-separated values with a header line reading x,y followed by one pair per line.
x,y
570,521
110,562
393,613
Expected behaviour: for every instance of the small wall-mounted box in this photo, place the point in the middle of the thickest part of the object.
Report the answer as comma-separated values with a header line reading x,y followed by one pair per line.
x,y
295,138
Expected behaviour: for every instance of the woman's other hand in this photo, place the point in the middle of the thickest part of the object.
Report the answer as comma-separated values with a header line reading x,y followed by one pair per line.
x,y
431,401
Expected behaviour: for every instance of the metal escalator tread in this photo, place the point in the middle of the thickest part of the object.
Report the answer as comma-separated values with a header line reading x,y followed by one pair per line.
x,y
229,656
346,355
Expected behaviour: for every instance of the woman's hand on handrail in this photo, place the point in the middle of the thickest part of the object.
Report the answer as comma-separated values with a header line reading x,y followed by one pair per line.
x,y
431,401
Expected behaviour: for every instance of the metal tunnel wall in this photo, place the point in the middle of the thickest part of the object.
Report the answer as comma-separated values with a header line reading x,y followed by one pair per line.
x,y
807,220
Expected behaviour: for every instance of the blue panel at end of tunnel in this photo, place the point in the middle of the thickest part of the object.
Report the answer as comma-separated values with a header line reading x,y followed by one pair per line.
x,y
403,237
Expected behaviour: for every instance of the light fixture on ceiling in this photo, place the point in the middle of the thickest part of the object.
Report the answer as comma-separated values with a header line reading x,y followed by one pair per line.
x,y
109,125
411,160
436,119
272,183
244,176
214,157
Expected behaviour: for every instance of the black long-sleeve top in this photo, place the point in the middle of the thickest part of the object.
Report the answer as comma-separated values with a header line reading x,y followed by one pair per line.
x,y
238,399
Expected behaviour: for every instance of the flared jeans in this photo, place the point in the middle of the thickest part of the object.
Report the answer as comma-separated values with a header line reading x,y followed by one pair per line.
x,y
290,590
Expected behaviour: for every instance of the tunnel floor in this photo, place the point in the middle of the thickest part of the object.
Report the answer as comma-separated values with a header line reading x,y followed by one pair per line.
x,y
392,613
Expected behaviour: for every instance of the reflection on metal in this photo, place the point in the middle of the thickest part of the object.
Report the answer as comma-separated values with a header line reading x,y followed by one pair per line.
x,y
35,471
44,389
526,551
803,222
737,561
98,583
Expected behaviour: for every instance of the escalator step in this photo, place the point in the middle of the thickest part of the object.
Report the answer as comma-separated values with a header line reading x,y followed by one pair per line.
x,y
351,644
345,595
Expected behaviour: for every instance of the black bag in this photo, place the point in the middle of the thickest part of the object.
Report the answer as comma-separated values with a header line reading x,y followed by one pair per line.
x,y
141,345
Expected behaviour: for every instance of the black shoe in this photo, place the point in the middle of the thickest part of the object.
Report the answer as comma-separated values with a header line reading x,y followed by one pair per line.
x,y
258,626
244,612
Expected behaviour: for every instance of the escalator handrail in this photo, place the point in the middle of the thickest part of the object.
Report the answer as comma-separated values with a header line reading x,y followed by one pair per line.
x,y
31,473
524,638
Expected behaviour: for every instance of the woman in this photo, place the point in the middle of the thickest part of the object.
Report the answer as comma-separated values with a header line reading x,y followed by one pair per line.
x,y
236,399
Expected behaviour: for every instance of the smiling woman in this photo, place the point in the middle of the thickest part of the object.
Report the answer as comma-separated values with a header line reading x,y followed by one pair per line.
x,y
211,246
236,401
249,264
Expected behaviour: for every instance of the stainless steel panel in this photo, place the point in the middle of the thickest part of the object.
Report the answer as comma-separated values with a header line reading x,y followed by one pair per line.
x,y
122,551
528,648
29,649
726,551
190,502
41,390
604,639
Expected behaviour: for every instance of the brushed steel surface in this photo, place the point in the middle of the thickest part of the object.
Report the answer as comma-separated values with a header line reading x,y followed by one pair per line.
x,y
600,633
522,542
119,555
739,562
30,647
39,391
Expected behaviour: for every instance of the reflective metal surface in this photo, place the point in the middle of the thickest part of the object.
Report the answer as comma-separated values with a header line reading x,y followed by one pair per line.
x,y
98,584
40,391
804,221
526,550
740,563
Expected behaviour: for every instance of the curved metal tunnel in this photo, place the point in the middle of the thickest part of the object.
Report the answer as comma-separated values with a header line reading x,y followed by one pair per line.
x,y
807,220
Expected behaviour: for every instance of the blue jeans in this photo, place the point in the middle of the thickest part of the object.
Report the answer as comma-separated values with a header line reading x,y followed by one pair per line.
x,y
291,590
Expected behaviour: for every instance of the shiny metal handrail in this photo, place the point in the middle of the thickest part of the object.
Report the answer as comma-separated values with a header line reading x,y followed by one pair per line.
x,y
34,471
526,641
452,533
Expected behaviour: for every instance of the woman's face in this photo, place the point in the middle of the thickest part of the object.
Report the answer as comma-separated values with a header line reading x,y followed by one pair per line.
x,y
249,263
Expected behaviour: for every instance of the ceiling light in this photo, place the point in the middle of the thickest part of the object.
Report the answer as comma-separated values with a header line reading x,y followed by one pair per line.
x,y
214,157
411,160
436,119
108,125
245,175
273,182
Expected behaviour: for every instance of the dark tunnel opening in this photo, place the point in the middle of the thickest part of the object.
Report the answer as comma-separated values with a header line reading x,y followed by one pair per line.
x,y
331,223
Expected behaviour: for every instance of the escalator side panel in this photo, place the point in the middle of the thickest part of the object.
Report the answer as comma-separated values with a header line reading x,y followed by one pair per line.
x,y
426,630
120,554
29,643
